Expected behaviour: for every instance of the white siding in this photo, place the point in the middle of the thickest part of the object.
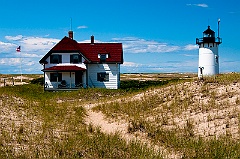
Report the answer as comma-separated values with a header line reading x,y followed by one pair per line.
x,y
65,61
47,80
111,69
89,77
65,76
208,59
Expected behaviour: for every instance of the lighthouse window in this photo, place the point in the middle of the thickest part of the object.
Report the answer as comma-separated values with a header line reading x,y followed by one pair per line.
x,y
216,57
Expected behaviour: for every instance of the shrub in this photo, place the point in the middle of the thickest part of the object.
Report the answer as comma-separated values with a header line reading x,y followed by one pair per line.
x,y
39,81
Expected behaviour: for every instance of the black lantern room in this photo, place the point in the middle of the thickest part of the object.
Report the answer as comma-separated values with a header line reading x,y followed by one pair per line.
x,y
208,37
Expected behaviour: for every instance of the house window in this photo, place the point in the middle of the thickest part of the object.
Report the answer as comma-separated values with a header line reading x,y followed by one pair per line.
x,y
103,77
56,58
75,58
103,58
55,77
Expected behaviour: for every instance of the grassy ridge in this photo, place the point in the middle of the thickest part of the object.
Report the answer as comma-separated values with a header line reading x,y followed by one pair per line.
x,y
152,113
37,124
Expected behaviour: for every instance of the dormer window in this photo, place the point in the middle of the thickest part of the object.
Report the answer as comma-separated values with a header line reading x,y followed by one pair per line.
x,y
75,58
103,57
55,58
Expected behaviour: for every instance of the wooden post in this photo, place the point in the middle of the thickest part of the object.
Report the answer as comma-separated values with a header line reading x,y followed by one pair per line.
x,y
70,79
4,82
12,81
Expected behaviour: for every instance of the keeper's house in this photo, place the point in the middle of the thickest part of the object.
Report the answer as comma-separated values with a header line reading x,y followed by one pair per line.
x,y
71,65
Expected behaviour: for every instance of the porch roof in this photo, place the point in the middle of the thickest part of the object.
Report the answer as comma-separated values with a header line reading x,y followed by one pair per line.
x,y
63,69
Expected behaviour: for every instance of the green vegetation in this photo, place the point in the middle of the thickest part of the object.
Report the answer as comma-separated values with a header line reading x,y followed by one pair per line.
x,y
156,115
136,85
38,124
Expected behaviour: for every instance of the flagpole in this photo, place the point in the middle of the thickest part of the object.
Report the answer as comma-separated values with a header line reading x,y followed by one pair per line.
x,y
19,50
21,66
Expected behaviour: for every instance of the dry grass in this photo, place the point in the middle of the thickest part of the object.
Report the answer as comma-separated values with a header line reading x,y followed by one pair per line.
x,y
37,124
154,76
182,119
187,117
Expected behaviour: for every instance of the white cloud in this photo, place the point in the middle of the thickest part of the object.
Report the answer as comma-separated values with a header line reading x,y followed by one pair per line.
x,y
32,50
10,61
30,63
82,27
190,47
30,55
14,38
30,46
7,47
130,64
203,5
135,45
36,44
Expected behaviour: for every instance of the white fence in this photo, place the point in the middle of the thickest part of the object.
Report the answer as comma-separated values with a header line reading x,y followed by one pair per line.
x,y
7,82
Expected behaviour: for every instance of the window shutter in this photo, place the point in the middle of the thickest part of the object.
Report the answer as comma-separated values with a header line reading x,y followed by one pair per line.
x,y
51,59
71,58
80,58
59,58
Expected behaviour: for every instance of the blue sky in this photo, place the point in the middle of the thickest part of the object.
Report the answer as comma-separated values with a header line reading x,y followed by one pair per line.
x,y
157,35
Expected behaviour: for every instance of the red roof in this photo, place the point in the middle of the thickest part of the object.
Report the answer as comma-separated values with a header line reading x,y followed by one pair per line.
x,y
63,68
91,51
88,50
66,44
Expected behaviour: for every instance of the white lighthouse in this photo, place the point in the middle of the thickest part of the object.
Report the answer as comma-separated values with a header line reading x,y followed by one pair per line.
x,y
208,64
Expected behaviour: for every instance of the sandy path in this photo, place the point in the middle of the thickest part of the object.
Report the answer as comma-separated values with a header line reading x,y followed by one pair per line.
x,y
212,122
98,119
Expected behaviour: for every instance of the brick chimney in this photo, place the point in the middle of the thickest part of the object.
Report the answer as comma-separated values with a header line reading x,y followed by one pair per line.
x,y
70,34
92,39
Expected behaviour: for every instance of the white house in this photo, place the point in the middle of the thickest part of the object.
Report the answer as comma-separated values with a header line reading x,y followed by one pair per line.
x,y
72,65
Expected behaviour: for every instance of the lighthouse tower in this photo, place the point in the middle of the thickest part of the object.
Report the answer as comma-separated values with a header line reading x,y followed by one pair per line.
x,y
208,64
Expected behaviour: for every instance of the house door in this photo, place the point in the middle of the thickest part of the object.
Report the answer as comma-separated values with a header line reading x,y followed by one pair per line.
x,y
78,78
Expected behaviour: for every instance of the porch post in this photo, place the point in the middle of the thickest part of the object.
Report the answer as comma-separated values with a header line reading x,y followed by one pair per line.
x,y
57,80
70,79
44,76
86,75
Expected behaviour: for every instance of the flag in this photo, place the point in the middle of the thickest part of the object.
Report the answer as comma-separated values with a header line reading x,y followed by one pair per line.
x,y
18,49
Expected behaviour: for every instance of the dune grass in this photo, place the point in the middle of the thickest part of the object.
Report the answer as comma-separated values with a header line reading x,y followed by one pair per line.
x,y
153,114
37,124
